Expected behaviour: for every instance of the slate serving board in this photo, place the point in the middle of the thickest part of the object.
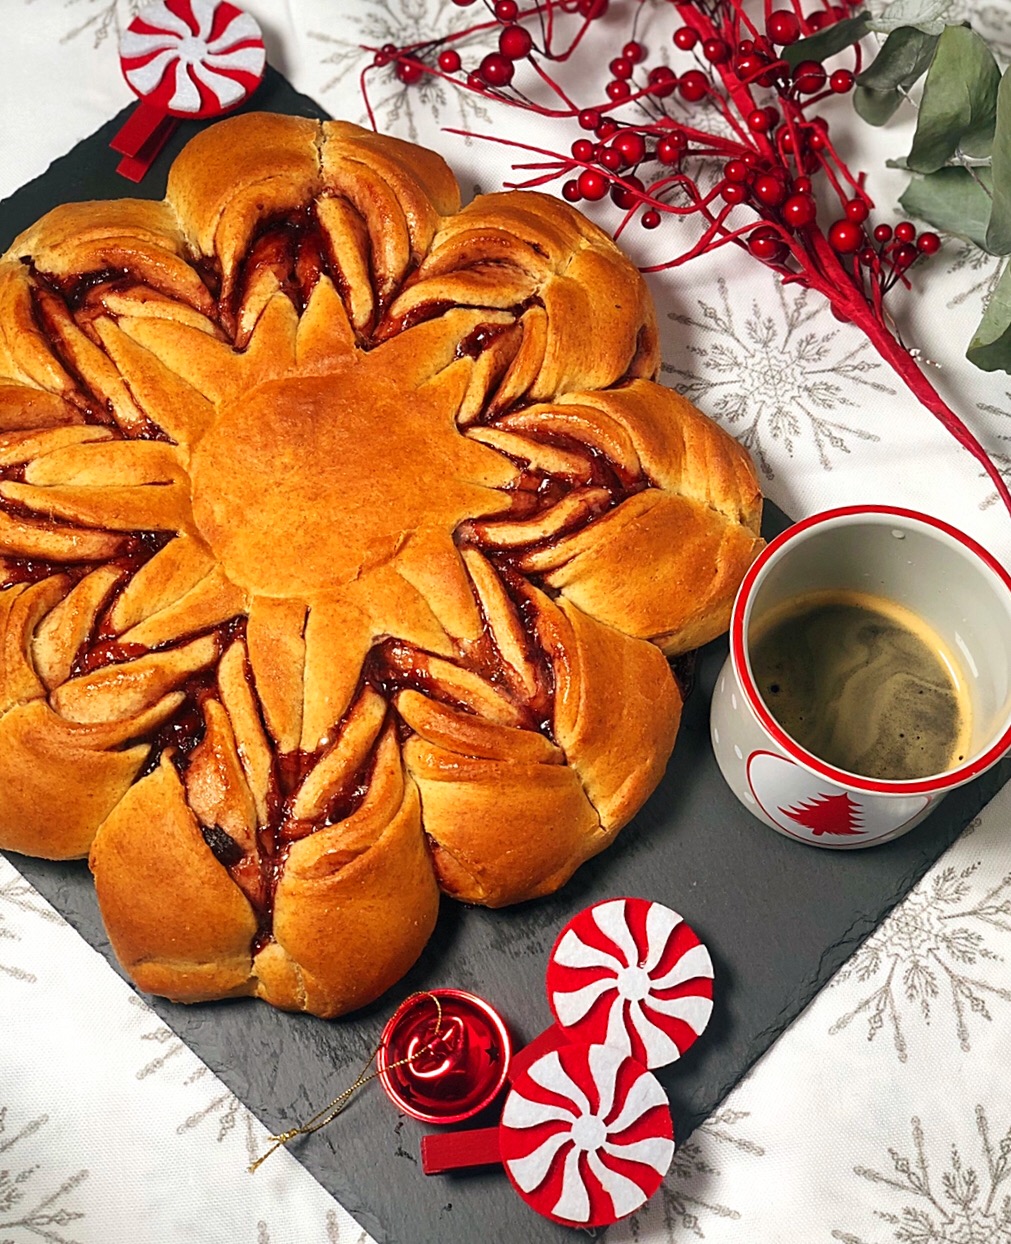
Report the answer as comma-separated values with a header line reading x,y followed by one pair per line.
x,y
778,917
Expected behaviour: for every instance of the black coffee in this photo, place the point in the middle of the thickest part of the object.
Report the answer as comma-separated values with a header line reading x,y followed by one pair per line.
x,y
863,684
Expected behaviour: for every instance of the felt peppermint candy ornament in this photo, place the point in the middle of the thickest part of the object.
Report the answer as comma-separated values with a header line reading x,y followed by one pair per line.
x,y
193,59
586,1135
632,975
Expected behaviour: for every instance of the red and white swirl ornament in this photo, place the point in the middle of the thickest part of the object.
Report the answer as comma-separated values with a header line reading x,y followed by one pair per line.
x,y
633,976
193,59
586,1135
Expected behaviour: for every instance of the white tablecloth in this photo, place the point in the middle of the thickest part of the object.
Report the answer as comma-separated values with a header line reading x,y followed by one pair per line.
x,y
884,1112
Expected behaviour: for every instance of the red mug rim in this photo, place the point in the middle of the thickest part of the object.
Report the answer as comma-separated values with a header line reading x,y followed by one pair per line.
x,y
738,648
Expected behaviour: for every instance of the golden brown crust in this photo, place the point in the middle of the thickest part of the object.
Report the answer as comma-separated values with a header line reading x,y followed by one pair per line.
x,y
598,322
341,535
218,211
681,450
502,831
365,885
695,580
89,768
617,709
178,924
22,407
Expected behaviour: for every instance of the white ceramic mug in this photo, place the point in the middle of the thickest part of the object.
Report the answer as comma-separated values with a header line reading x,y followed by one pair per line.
x,y
949,581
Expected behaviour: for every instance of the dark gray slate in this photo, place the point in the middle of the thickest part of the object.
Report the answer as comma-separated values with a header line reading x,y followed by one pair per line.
x,y
778,917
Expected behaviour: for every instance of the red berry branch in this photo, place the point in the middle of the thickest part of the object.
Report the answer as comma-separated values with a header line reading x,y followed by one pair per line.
x,y
734,142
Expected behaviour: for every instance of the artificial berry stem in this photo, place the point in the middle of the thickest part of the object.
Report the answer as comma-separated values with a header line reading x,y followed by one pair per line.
x,y
737,92
653,164
847,300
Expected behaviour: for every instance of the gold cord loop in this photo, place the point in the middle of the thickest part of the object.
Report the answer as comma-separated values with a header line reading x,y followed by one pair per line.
x,y
330,1112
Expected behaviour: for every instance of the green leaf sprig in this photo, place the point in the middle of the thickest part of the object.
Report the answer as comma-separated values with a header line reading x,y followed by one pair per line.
x,y
960,157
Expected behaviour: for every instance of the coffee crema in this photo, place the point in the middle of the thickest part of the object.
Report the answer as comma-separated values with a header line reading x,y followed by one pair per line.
x,y
862,683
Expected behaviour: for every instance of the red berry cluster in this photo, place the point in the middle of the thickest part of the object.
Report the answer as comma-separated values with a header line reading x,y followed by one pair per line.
x,y
619,153
655,159
619,88
886,252
648,166
495,70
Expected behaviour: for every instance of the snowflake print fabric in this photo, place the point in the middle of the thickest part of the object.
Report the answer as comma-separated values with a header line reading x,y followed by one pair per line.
x,y
968,1204
122,1105
777,376
631,974
925,963
423,107
586,1135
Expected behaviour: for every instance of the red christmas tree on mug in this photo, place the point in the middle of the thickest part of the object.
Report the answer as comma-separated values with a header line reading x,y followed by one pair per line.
x,y
827,814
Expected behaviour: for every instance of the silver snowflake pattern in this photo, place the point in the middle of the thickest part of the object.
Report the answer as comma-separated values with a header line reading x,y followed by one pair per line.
x,y
922,954
98,20
222,1107
19,898
402,22
679,1212
1000,458
964,1208
978,263
332,1227
46,1217
775,378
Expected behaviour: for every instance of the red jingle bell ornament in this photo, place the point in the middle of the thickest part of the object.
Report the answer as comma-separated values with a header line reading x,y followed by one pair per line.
x,y
444,1056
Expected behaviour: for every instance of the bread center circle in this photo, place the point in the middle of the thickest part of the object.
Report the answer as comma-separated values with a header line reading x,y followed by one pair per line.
x,y
308,484
589,1132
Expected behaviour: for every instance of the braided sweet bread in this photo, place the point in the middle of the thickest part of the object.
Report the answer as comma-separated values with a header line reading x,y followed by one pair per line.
x,y
342,534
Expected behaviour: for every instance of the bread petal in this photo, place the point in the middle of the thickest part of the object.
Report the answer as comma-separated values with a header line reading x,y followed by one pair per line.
x,y
616,711
502,831
60,779
365,885
177,922
696,561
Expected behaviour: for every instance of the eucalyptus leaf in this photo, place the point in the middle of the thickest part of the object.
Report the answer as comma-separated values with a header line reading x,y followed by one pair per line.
x,y
959,105
828,42
926,16
904,56
954,200
876,107
998,235
990,348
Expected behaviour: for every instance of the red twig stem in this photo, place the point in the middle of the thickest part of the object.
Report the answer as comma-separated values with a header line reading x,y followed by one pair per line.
x,y
653,166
